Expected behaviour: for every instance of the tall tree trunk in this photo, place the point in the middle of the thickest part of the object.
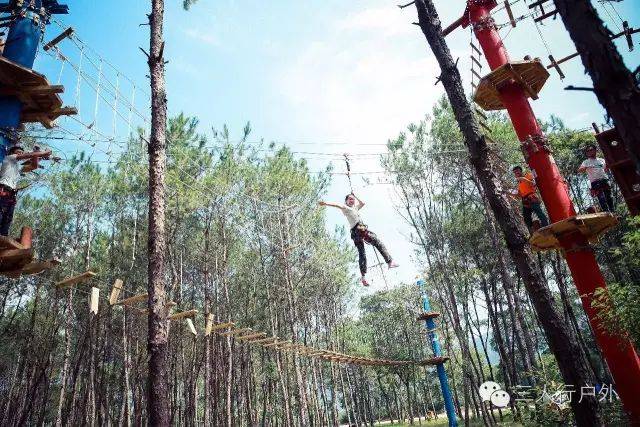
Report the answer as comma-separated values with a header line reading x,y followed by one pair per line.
x,y
158,405
613,83
562,343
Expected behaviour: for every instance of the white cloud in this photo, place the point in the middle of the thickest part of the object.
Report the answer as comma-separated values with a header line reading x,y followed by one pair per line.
x,y
386,21
202,36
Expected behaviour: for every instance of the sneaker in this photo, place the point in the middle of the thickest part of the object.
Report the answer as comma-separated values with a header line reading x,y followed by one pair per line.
x,y
393,264
364,281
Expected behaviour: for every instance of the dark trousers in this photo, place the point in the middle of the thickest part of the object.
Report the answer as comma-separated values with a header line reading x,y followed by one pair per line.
x,y
528,208
360,234
7,204
602,190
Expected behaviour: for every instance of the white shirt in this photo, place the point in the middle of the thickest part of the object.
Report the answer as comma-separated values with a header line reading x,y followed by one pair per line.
x,y
352,214
10,171
595,169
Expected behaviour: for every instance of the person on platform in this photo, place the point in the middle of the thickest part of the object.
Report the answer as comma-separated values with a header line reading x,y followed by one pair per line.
x,y
528,193
9,176
360,233
596,169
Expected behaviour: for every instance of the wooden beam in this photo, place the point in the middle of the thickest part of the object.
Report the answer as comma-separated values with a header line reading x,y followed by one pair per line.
x,y
222,326
74,280
10,255
546,15
66,33
192,328
132,300
94,300
31,90
115,291
251,336
209,325
507,6
273,344
8,242
235,332
183,315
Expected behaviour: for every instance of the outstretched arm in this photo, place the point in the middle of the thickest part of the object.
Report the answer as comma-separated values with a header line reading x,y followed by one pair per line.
x,y
333,205
33,154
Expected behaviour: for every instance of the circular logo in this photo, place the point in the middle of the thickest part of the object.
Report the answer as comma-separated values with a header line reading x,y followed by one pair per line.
x,y
487,388
500,398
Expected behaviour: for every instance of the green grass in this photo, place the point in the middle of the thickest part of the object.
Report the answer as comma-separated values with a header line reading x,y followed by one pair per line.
x,y
443,422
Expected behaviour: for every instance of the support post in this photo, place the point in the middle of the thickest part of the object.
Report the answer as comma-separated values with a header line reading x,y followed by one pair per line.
x,y
30,18
437,352
618,352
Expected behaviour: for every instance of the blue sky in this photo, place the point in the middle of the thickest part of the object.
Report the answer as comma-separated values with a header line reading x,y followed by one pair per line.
x,y
321,76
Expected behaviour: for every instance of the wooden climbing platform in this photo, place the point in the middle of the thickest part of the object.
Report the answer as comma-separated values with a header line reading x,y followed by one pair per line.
x,y
428,315
14,257
530,75
592,226
40,100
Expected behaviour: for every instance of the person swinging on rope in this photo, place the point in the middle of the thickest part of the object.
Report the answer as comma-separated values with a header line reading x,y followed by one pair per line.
x,y
360,233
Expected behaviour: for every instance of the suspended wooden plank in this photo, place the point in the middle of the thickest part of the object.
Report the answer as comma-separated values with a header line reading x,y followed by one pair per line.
x,y
236,332
428,315
132,300
433,361
115,292
209,325
222,326
10,243
507,6
191,326
94,300
74,280
66,33
591,226
251,336
183,315
36,267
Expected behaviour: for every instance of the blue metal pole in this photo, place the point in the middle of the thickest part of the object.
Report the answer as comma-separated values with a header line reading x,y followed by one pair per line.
x,y
437,352
26,27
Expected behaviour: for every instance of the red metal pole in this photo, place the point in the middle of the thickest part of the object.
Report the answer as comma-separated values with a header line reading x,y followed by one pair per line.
x,y
618,352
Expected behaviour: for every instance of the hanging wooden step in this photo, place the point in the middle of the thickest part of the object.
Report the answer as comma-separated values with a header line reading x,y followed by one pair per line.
x,y
132,300
75,280
188,314
433,361
591,226
428,315
40,100
531,75
37,267
251,337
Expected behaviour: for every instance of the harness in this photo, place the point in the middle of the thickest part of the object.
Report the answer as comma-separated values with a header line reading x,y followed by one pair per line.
x,y
599,185
8,193
530,199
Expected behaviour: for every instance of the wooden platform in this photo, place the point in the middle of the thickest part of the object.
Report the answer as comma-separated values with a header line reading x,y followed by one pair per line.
x,y
428,315
530,75
592,226
41,101
13,257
